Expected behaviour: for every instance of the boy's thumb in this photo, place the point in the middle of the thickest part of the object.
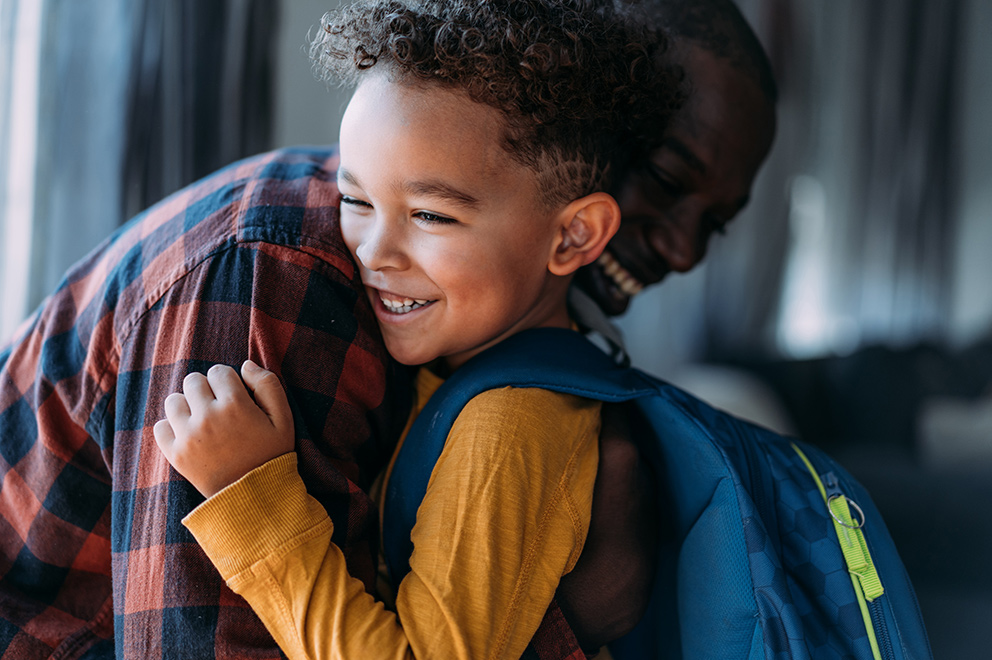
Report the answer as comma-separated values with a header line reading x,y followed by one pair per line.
x,y
269,393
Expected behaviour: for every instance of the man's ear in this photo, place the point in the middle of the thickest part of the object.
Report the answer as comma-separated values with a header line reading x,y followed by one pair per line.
x,y
585,226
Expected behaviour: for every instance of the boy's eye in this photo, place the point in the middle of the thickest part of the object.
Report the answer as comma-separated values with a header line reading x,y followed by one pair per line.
x,y
433,218
354,201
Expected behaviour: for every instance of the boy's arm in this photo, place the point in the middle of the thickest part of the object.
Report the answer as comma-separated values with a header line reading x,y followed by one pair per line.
x,y
501,522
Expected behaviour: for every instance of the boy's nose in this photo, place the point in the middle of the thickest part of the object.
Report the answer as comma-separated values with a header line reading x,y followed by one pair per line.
x,y
379,248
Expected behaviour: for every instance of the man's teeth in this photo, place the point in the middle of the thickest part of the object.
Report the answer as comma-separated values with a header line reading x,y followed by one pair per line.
x,y
623,279
403,306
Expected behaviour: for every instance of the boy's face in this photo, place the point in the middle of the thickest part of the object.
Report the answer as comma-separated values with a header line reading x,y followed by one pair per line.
x,y
451,235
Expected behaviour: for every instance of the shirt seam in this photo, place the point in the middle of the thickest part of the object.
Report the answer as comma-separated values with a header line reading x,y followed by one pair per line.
x,y
526,572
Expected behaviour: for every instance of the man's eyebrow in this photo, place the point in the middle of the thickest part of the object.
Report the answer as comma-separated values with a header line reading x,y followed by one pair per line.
x,y
686,153
443,191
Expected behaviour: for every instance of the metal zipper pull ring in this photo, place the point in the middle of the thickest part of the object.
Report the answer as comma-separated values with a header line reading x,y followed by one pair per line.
x,y
861,514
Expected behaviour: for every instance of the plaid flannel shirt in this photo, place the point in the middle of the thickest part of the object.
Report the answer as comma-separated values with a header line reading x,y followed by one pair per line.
x,y
94,561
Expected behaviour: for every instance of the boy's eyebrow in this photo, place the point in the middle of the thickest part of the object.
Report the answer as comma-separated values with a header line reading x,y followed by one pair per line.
x,y
444,191
348,177
438,189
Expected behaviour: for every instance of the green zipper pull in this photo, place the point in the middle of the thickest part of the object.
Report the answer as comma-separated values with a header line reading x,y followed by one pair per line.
x,y
852,539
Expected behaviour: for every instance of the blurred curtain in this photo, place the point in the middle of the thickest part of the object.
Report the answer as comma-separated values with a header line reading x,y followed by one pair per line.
x,y
107,106
859,194
200,93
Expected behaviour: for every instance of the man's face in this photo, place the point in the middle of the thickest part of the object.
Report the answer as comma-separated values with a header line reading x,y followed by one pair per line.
x,y
449,233
695,183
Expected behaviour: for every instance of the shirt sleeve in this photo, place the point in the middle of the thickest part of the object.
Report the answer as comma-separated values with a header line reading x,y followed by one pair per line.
x,y
505,515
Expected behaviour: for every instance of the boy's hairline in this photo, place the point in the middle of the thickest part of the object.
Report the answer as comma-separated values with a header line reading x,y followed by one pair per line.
x,y
395,74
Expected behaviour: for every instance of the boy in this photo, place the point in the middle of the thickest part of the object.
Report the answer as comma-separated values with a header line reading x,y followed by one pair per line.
x,y
474,155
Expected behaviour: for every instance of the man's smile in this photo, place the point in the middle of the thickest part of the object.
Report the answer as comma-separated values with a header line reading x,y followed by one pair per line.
x,y
620,276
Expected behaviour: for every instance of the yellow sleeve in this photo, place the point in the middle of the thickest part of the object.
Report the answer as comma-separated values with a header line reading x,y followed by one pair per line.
x,y
505,515
271,542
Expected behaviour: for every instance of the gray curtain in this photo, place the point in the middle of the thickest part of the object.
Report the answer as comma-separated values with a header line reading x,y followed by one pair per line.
x,y
200,94
135,98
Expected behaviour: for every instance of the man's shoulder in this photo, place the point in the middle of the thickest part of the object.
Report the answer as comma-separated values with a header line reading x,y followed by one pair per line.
x,y
282,202
282,168
278,187
286,197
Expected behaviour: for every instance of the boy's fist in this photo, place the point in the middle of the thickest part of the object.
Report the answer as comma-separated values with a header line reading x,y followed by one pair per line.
x,y
214,433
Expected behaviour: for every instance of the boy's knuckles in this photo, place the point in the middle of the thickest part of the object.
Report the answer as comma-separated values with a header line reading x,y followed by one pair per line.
x,y
225,409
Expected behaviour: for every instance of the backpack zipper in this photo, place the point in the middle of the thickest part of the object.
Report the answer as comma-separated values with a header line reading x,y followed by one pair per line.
x,y
854,546
878,618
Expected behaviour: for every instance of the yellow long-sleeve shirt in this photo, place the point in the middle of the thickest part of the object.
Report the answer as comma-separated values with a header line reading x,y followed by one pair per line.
x,y
505,516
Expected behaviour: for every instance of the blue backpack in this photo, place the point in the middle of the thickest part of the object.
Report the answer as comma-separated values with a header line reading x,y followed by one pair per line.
x,y
777,553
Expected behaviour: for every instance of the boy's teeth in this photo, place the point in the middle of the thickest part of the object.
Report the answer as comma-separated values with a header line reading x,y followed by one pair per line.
x,y
623,279
402,306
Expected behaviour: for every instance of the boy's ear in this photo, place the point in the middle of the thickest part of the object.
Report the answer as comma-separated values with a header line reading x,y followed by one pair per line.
x,y
585,226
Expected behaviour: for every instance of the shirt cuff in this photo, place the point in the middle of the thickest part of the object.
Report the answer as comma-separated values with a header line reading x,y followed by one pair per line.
x,y
255,516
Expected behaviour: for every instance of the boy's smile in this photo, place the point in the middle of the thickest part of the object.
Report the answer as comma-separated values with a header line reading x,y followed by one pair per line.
x,y
452,236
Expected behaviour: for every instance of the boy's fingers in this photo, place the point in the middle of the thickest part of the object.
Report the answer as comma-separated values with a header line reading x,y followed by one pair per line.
x,y
197,391
225,383
177,411
164,437
269,393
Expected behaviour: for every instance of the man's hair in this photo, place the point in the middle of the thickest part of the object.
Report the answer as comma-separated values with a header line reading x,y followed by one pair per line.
x,y
579,87
718,27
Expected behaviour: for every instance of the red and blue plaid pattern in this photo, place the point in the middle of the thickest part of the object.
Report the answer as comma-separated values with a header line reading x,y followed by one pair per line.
x,y
246,263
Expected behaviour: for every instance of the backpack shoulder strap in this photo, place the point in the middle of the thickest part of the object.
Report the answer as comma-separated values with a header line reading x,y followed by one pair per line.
x,y
548,358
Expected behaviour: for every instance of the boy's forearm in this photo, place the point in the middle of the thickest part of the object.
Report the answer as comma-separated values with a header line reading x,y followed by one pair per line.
x,y
272,544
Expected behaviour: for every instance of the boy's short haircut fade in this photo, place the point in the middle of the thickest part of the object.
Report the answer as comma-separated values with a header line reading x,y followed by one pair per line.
x,y
583,91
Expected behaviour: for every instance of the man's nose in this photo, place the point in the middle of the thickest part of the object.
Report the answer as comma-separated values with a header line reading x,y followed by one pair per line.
x,y
380,247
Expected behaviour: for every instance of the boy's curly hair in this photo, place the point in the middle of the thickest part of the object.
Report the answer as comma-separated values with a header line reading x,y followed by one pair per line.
x,y
583,93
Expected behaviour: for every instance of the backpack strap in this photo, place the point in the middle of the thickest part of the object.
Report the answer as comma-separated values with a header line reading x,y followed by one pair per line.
x,y
553,359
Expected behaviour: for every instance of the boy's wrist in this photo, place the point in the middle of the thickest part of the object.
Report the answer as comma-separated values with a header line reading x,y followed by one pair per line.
x,y
255,516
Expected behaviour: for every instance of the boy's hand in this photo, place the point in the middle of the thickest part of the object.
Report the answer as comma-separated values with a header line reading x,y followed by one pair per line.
x,y
215,434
